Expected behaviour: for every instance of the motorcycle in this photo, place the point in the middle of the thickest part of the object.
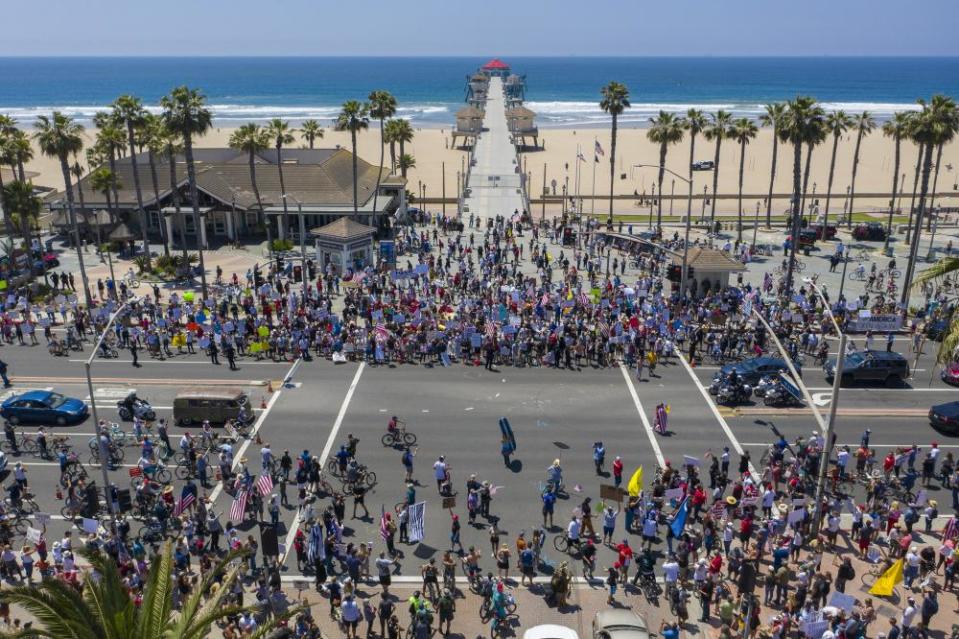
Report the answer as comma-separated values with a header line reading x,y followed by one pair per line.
x,y
132,406
729,394
780,397
765,384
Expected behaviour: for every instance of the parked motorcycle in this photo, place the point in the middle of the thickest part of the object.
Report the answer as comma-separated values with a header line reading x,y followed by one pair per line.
x,y
779,396
131,406
730,394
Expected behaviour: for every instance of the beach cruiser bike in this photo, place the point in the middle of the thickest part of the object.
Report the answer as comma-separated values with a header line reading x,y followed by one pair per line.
x,y
396,435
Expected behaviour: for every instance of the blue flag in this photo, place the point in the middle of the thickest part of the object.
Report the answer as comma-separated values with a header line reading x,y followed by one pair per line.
x,y
679,521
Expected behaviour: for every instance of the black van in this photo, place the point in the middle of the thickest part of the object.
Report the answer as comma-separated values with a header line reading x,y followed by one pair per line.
x,y
892,369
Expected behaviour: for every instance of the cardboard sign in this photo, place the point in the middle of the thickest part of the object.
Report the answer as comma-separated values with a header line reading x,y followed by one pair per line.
x,y
33,535
449,502
608,491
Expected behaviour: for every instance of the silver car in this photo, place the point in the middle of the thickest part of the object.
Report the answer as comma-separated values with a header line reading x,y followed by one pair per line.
x,y
619,623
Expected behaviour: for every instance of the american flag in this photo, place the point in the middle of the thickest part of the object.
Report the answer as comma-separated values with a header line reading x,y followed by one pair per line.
x,y
490,330
661,418
381,333
599,148
264,484
584,299
183,504
545,299
238,509
384,529
603,328
951,530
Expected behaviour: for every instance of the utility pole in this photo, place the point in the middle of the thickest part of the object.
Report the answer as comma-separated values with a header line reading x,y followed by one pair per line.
x,y
543,216
444,189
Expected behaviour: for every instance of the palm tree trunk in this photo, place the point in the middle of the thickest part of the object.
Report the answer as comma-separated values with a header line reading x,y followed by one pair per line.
x,y
832,172
915,187
392,157
379,174
917,229
852,182
689,199
136,186
161,218
83,206
796,213
65,168
739,208
935,182
712,208
662,174
805,180
612,170
171,157
7,223
402,153
356,204
195,197
20,171
895,188
286,208
310,140
256,189
772,180
113,170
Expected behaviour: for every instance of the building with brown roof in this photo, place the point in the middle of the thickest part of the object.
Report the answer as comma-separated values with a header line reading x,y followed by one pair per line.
x,y
319,184
708,267
344,243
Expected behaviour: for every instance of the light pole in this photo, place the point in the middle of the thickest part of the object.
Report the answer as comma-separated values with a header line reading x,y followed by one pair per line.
x,y
299,206
104,451
756,224
931,253
689,219
831,424
702,217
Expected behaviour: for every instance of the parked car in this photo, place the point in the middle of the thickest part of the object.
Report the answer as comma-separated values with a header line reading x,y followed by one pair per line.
x,y
807,239
824,232
550,631
43,407
892,369
945,417
753,369
950,374
936,328
869,232
704,165
619,623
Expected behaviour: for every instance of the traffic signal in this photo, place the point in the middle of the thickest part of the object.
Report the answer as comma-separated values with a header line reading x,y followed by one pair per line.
x,y
674,273
297,273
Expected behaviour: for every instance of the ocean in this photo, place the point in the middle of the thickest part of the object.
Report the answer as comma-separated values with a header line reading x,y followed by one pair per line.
x,y
564,92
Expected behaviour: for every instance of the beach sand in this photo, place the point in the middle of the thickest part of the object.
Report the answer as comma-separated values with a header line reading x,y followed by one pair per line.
x,y
430,147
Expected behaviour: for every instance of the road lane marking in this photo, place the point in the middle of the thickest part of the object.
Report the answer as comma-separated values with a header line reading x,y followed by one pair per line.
x,y
642,416
712,406
256,428
330,441
176,361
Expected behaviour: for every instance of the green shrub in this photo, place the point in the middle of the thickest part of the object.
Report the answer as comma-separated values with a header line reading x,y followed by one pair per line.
x,y
282,245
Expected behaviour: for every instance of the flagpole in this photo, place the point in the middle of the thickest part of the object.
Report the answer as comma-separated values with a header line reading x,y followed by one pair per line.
x,y
579,204
595,162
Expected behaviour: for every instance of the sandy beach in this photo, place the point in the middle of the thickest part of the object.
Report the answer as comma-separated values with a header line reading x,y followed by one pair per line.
x,y
430,147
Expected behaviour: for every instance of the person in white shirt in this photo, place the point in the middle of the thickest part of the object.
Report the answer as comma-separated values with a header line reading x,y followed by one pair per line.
x,y
351,615
572,531
439,472
670,571
909,613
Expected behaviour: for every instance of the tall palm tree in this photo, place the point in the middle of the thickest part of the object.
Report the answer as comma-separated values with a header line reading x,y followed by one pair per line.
x,y
717,130
22,204
103,609
935,181
354,117
102,181
95,158
253,140
743,131
406,162
615,100
391,136
152,134
896,128
864,125
402,132
6,154
186,114
666,129
21,151
837,123
817,135
58,136
77,171
110,139
774,117
915,183
281,133
695,122
803,121
129,110
936,124
172,147
382,106
311,131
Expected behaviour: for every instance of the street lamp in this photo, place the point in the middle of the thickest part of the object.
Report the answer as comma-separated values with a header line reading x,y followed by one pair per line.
x,y
104,451
689,206
756,223
831,424
299,206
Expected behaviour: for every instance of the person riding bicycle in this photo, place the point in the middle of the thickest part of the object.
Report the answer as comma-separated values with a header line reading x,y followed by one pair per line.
x,y
351,444
589,557
860,272
554,476
645,568
72,338
573,529
105,349
11,436
393,425
55,346
343,459
892,265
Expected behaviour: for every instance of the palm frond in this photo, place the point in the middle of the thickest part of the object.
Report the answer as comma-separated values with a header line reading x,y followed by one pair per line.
x,y
942,268
107,598
154,613
950,342
270,626
59,609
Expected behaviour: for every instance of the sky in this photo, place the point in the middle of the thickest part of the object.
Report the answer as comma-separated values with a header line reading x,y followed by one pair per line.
x,y
487,27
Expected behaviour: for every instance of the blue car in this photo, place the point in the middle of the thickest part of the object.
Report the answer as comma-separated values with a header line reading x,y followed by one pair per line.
x,y
43,407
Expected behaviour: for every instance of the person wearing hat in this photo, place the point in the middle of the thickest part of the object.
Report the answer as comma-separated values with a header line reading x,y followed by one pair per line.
x,y
931,512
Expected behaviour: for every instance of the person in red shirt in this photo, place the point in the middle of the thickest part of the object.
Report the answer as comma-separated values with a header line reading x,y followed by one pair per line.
x,y
745,530
889,463
699,500
617,471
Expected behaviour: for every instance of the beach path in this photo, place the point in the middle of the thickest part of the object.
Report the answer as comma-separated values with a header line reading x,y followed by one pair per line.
x,y
494,183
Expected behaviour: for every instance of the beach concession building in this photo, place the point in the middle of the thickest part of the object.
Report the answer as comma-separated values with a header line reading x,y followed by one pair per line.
x,y
319,182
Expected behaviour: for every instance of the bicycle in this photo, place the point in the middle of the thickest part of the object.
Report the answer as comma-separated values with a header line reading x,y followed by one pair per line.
x,y
157,473
563,544
398,437
25,444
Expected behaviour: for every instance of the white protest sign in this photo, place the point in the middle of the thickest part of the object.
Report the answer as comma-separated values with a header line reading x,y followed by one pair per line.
x,y
90,525
842,600
33,535
674,493
797,515
690,461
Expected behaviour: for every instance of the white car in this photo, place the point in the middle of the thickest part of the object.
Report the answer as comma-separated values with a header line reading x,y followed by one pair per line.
x,y
550,631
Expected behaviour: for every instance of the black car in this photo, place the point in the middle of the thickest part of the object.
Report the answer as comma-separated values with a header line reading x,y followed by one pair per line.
x,y
753,369
869,232
945,417
892,369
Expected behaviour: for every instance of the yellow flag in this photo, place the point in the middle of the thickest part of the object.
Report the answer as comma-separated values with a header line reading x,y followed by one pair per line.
x,y
635,483
885,584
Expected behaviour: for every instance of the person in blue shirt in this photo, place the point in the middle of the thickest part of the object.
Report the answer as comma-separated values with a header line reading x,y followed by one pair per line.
x,y
549,504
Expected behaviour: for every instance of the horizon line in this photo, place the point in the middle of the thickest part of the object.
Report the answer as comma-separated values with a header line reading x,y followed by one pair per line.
x,y
471,56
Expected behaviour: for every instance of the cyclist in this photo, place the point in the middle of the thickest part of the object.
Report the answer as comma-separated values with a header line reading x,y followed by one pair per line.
x,y
572,532
42,443
589,558
645,568
207,434
342,459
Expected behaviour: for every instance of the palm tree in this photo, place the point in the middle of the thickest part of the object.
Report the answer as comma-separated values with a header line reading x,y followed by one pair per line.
x,y
936,124
102,181
172,147
111,141
19,200
615,101
837,123
185,114
129,110
77,171
718,130
896,128
103,608
391,136
695,122
864,125
406,162
803,121
354,117
743,131
311,131
6,153
152,134
382,106
21,151
252,139
281,133
817,135
402,132
774,117
666,129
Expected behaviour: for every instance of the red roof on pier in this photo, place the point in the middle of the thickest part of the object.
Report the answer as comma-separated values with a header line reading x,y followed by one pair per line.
x,y
496,65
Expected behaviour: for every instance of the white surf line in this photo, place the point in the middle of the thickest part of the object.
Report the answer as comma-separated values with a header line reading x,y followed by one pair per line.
x,y
330,441
256,428
642,416
712,406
